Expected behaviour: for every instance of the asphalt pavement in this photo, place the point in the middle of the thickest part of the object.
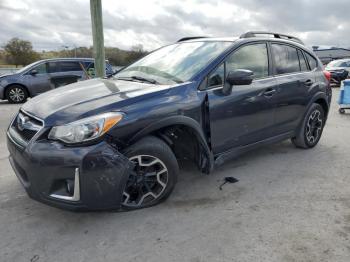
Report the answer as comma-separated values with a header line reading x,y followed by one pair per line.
x,y
289,205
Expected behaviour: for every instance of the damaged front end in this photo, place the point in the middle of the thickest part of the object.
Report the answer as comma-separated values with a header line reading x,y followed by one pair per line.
x,y
77,178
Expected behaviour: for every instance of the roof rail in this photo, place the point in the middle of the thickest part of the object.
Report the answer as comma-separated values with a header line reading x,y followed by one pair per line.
x,y
191,38
275,35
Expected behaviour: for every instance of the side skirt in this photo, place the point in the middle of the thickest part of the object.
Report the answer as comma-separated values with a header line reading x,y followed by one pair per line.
x,y
235,152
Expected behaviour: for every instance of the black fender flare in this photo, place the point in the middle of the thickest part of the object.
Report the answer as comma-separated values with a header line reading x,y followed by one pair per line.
x,y
319,96
180,120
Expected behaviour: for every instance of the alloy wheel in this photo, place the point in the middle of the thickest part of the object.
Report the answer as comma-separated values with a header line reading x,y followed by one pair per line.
x,y
17,94
314,127
146,182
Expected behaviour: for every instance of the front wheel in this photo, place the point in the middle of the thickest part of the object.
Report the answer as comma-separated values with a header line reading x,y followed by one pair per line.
x,y
16,94
311,129
154,175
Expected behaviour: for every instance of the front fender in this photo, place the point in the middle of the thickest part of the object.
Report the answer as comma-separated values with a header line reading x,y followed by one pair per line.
x,y
206,167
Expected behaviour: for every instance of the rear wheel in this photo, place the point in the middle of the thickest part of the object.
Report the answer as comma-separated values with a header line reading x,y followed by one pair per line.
x,y
311,129
154,175
16,94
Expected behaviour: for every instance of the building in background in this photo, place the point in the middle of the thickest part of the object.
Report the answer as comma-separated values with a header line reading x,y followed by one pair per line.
x,y
328,54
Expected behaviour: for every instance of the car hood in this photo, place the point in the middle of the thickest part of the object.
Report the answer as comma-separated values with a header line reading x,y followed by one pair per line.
x,y
86,98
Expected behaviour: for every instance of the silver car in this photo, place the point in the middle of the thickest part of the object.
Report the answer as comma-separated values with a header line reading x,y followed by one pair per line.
x,y
45,75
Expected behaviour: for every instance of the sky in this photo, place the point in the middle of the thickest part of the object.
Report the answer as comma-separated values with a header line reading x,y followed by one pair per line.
x,y
52,24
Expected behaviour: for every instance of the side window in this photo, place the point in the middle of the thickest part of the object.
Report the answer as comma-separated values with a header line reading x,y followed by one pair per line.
x,y
91,69
217,77
286,59
42,68
312,61
53,67
70,66
251,57
303,64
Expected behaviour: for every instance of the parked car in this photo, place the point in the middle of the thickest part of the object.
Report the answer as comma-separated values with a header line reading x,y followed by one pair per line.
x,y
115,143
339,70
45,75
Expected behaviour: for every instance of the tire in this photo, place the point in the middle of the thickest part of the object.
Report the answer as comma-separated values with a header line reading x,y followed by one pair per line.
x,y
16,94
341,110
149,185
311,129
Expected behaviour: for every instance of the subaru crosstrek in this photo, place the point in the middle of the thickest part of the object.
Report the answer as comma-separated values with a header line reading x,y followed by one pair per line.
x,y
114,143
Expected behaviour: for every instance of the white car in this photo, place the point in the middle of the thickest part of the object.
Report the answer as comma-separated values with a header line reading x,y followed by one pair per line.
x,y
341,64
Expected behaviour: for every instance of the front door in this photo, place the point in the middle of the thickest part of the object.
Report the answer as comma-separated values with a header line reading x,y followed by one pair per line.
x,y
247,114
39,82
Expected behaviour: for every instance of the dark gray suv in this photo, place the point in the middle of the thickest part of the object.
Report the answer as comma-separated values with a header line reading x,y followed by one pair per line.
x,y
115,143
45,75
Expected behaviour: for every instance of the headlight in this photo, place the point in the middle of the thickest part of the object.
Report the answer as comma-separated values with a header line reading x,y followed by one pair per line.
x,y
85,129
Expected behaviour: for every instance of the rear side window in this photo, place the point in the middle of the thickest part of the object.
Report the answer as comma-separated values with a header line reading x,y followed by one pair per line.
x,y
251,57
303,64
312,61
69,66
286,59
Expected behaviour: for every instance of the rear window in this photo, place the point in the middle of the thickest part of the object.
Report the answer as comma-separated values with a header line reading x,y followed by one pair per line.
x,y
286,59
312,61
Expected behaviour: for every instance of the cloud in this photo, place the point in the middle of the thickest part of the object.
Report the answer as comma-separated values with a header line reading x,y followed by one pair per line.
x,y
152,23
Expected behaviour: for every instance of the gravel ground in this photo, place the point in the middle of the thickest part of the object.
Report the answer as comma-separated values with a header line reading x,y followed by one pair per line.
x,y
289,205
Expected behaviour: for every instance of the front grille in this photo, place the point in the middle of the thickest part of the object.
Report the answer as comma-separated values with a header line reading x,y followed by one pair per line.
x,y
26,126
26,134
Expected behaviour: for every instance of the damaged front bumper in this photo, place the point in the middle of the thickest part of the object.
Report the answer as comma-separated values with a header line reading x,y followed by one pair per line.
x,y
76,178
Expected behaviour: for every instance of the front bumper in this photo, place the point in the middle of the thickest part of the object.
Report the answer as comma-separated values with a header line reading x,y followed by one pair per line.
x,y
44,168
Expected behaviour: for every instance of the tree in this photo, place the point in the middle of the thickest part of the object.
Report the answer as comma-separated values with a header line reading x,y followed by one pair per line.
x,y
20,52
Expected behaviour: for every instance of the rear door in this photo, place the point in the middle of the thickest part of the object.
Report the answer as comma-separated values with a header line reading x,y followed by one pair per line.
x,y
294,81
65,72
246,115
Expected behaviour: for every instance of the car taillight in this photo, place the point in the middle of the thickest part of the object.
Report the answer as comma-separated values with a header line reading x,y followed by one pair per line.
x,y
327,75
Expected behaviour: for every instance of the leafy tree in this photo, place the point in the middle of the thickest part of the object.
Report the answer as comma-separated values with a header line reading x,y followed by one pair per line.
x,y
20,52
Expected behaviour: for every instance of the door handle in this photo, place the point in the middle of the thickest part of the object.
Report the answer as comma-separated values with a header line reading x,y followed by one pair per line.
x,y
269,92
308,82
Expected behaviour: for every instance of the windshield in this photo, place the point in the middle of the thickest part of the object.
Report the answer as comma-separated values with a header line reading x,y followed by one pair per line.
x,y
175,63
23,69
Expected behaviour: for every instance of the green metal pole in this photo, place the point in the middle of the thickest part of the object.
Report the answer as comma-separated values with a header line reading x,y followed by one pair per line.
x,y
97,37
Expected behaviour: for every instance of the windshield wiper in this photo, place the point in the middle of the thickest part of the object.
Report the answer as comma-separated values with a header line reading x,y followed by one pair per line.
x,y
139,78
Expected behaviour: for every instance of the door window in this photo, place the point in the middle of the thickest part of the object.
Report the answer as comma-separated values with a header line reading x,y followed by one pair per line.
x,y
42,69
303,64
286,59
69,66
250,57
217,77
53,67
312,61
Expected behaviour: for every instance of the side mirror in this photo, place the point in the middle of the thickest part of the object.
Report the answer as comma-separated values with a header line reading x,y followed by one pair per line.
x,y
237,77
33,72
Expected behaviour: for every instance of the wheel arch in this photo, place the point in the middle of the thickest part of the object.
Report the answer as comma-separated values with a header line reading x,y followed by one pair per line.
x,y
177,131
321,99
15,84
